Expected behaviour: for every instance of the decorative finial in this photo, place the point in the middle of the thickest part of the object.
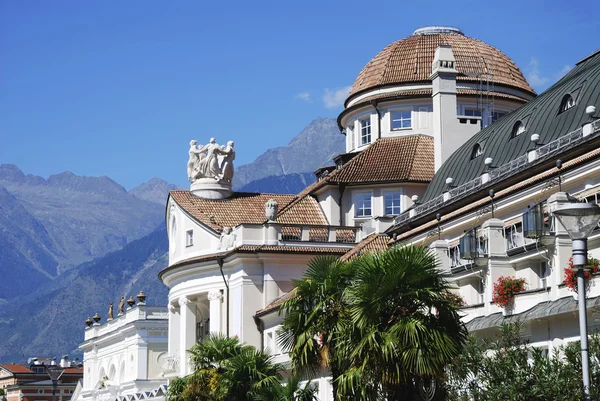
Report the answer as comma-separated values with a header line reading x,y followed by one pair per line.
x,y
89,322
130,302
96,318
141,298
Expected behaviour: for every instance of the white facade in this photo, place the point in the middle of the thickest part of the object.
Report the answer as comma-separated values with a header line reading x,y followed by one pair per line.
x,y
126,355
547,307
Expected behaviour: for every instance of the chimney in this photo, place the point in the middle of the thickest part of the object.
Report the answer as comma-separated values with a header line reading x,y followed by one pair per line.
x,y
448,133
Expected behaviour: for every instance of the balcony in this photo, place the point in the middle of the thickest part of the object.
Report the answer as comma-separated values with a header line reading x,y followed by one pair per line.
x,y
295,234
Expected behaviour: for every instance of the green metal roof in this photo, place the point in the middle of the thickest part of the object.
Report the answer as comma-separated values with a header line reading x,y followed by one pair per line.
x,y
541,116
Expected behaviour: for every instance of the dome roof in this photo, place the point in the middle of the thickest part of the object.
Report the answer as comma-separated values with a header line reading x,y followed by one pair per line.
x,y
409,60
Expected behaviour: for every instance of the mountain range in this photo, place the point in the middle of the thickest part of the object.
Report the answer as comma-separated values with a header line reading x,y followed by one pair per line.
x,y
71,244
312,148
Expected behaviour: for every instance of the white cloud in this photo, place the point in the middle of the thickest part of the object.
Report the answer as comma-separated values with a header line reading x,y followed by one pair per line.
x,y
335,98
303,96
564,70
534,77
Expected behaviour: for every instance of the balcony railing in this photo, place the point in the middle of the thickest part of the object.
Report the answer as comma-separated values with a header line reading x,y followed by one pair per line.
x,y
337,234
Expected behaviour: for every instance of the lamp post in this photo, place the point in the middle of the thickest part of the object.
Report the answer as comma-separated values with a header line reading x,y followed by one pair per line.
x,y
579,220
55,372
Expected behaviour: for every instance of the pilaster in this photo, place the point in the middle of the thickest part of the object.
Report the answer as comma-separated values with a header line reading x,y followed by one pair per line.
x,y
562,244
440,250
215,311
498,262
187,331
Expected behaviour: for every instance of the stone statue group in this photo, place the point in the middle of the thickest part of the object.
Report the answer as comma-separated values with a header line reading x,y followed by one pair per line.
x,y
211,161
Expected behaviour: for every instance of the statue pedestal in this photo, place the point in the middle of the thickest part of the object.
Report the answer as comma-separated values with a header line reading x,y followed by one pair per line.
x,y
209,188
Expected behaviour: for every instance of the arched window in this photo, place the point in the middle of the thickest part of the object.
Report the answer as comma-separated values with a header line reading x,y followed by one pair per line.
x,y
477,151
566,103
518,129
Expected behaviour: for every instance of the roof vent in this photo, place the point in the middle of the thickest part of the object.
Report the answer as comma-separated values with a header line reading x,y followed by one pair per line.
x,y
436,29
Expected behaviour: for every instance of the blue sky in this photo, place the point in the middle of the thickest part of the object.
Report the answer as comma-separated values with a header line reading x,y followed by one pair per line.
x,y
119,88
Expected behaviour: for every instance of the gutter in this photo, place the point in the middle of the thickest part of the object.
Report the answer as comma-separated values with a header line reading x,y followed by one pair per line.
x,y
374,104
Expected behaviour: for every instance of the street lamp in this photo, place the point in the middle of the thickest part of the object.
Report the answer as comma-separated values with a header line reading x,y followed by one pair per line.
x,y
579,220
55,372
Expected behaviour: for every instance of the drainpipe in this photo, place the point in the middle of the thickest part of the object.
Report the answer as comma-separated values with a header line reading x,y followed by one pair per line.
x,y
261,329
374,104
341,188
220,262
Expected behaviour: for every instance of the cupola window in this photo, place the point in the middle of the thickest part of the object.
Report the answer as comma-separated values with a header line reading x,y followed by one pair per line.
x,y
401,119
365,131
567,103
477,151
518,129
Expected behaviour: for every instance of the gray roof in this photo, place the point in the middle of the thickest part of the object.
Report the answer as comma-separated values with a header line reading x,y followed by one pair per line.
x,y
541,116
539,311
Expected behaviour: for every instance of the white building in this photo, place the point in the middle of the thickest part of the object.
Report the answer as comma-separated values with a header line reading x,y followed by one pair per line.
x,y
125,359
232,257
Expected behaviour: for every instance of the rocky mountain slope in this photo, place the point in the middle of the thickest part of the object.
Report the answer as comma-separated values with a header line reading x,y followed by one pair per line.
x,y
310,149
52,321
280,184
49,226
155,191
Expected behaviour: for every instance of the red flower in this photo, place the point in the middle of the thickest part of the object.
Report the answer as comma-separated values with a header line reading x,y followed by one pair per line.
x,y
505,290
570,279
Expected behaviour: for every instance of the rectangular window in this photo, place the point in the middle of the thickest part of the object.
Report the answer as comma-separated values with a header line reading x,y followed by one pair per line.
x,y
352,138
401,119
392,203
362,205
472,113
189,238
365,131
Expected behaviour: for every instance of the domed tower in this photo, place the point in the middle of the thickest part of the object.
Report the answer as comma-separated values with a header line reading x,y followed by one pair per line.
x,y
437,82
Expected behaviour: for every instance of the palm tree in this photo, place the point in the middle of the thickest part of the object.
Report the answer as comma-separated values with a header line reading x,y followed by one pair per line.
x,y
403,325
313,318
294,391
227,370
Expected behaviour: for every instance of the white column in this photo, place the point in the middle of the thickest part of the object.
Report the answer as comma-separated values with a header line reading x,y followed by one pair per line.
x,y
187,332
440,250
498,262
214,298
173,340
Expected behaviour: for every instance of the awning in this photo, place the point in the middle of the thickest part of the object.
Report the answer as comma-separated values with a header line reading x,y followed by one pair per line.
x,y
540,311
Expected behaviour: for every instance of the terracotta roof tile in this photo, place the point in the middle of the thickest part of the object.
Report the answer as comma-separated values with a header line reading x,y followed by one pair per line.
x,y
243,207
74,370
409,60
275,304
372,243
16,368
406,158
302,210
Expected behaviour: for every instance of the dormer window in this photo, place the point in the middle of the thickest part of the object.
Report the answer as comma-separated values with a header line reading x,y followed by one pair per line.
x,y
567,103
477,151
518,129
